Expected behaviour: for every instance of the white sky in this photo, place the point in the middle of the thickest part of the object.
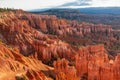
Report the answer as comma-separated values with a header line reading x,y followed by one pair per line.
x,y
38,4
32,4
105,3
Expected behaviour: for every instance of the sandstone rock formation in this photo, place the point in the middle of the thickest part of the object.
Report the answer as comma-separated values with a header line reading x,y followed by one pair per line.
x,y
14,66
42,47
91,62
64,71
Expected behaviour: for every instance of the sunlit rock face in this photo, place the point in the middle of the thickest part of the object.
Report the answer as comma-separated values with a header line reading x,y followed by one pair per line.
x,y
64,71
91,62
27,29
42,47
14,66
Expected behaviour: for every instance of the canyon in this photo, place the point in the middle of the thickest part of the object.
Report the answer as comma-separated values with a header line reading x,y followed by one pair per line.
x,y
44,47
96,15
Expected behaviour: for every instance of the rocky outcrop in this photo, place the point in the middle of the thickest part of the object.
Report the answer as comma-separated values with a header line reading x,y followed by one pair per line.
x,y
94,61
64,71
24,29
29,41
91,62
34,75
14,65
28,30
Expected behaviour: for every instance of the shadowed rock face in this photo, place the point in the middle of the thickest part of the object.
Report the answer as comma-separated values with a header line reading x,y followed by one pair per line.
x,y
29,41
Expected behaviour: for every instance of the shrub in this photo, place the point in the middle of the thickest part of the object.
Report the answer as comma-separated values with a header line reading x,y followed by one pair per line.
x,y
6,9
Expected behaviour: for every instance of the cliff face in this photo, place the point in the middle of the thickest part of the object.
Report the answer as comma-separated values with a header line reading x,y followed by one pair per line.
x,y
29,41
81,15
14,66
25,29
91,63
64,71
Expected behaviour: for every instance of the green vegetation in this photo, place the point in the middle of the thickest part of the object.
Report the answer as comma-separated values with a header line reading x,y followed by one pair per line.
x,y
6,9
116,47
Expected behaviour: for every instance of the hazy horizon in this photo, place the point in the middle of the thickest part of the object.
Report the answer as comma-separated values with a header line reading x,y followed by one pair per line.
x,y
39,4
